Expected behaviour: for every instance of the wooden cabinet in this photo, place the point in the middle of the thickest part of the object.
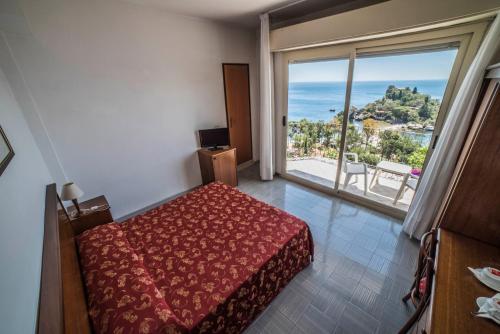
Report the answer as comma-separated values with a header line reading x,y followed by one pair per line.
x,y
456,288
90,219
472,204
218,165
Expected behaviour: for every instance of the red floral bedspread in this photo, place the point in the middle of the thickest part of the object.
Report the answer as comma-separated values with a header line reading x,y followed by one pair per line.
x,y
208,262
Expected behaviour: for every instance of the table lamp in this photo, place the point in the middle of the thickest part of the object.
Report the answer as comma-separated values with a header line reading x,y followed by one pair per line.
x,y
71,192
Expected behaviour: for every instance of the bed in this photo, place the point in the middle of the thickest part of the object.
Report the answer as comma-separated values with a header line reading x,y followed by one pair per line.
x,y
207,262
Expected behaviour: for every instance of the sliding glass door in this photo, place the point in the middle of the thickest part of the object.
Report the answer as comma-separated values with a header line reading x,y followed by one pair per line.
x,y
363,125
395,102
316,100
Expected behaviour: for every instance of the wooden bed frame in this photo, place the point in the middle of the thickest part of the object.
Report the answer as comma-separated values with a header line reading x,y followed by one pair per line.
x,y
63,305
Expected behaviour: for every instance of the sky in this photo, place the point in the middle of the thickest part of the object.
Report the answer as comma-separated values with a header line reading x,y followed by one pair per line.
x,y
418,66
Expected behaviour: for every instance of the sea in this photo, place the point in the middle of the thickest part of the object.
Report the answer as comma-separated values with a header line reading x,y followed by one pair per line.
x,y
317,101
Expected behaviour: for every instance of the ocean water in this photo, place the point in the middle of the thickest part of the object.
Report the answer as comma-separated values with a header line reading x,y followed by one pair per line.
x,y
313,100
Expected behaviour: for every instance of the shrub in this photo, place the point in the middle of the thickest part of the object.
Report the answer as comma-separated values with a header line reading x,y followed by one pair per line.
x,y
417,158
331,153
366,156
396,147
369,158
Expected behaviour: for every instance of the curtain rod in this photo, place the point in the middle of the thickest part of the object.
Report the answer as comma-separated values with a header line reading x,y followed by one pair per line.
x,y
285,6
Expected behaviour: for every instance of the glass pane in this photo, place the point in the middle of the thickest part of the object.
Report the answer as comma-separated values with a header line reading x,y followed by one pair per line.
x,y
394,105
316,97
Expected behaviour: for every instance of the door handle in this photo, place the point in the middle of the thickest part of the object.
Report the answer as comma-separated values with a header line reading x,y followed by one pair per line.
x,y
435,142
283,120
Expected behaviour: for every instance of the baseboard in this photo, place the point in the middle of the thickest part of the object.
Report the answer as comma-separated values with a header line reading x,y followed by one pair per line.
x,y
245,165
154,205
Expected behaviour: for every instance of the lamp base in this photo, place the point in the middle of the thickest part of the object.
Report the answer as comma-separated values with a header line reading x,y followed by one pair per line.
x,y
77,206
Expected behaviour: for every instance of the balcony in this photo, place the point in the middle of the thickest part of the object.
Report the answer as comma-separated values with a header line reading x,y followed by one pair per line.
x,y
323,171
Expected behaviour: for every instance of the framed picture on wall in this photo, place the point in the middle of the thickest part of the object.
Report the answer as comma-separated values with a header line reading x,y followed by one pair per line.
x,y
6,151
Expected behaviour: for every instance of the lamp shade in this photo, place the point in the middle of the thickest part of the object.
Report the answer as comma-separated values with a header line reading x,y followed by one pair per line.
x,y
71,191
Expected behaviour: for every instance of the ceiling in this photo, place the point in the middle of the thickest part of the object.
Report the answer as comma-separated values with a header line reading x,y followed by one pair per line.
x,y
241,12
246,12
315,9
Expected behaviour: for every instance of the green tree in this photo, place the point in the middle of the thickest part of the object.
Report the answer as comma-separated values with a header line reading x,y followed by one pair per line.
x,y
425,111
369,128
417,158
391,92
353,137
396,147
328,135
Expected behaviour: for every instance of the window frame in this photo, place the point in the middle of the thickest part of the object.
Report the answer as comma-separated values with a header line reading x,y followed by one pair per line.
x,y
467,37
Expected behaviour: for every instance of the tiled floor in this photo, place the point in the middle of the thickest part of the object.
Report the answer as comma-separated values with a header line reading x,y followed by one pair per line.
x,y
363,265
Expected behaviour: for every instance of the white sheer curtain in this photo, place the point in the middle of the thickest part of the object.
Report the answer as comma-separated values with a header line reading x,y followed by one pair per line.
x,y
441,165
266,100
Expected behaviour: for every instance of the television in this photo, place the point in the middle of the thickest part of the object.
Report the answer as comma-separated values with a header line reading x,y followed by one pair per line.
x,y
213,138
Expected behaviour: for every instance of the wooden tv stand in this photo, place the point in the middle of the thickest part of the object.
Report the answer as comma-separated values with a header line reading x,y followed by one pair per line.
x,y
218,165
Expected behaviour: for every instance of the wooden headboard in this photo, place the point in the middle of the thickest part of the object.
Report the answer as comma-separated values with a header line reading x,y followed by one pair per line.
x,y
62,306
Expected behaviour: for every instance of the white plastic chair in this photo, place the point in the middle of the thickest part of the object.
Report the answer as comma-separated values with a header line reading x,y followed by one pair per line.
x,y
409,181
354,167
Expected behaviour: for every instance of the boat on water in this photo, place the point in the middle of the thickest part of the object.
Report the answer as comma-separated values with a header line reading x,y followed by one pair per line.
x,y
332,110
429,128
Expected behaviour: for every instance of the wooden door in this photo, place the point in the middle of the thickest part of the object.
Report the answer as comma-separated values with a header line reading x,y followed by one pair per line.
x,y
237,93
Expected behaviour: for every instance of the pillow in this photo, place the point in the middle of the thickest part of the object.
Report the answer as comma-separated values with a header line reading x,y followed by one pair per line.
x,y
121,295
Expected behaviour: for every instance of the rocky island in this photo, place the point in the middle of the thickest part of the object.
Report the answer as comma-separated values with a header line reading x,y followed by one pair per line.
x,y
404,106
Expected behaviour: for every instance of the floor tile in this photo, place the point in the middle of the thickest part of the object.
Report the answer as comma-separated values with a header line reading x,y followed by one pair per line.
x,y
275,322
355,320
380,264
315,321
396,314
377,282
368,300
350,269
366,242
295,303
340,284
359,254
329,300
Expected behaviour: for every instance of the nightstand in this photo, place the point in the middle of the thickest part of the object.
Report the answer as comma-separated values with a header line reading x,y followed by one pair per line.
x,y
219,165
92,219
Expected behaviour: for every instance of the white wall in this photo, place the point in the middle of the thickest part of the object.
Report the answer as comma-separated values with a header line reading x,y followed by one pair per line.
x,y
22,202
380,18
122,89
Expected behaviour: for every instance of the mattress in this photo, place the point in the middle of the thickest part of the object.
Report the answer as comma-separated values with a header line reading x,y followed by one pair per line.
x,y
206,262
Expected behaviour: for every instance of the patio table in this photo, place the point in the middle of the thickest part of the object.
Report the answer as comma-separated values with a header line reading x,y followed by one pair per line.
x,y
390,167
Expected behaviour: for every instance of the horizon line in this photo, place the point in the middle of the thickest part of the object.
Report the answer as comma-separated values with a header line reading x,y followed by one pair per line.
x,y
396,80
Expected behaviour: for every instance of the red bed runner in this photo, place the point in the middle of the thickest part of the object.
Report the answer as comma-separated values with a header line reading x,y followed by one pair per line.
x,y
216,256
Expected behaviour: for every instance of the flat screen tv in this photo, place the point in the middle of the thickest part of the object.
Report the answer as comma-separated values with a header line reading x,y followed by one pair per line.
x,y
213,138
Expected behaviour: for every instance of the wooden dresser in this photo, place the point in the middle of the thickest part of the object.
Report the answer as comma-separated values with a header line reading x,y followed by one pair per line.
x,y
456,288
469,226
218,165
